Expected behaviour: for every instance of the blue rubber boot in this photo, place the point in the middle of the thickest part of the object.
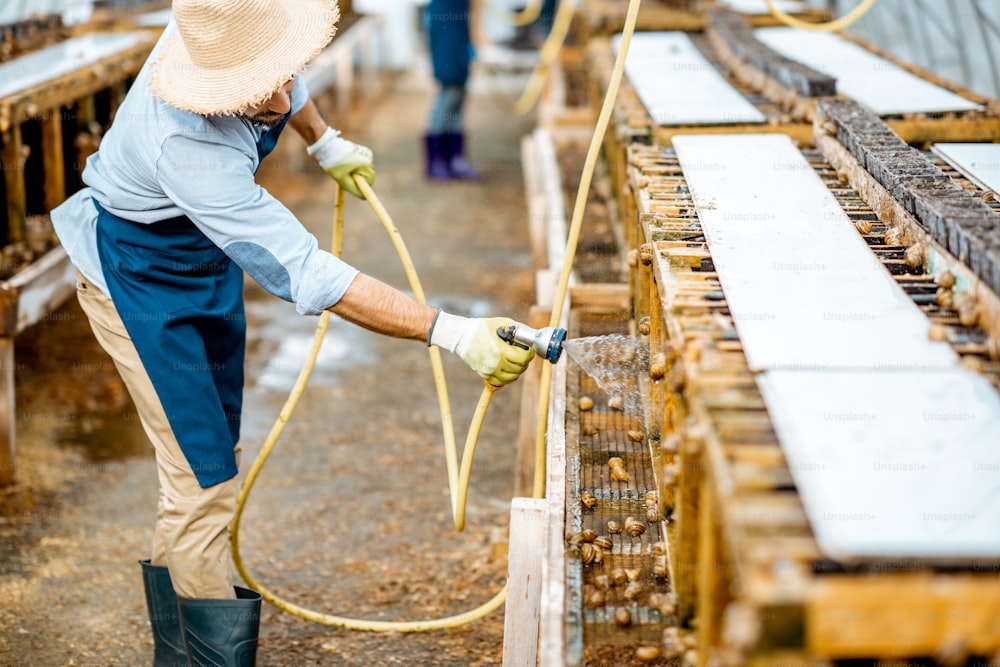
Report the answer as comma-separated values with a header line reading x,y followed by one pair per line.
x,y
454,147
437,168
221,633
161,603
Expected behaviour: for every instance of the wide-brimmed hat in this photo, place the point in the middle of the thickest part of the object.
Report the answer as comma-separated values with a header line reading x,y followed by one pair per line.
x,y
228,55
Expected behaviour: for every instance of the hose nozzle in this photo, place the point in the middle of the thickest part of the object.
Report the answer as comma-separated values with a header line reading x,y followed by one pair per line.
x,y
547,341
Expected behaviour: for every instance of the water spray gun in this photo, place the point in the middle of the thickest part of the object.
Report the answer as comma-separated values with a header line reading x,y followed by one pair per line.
x,y
547,341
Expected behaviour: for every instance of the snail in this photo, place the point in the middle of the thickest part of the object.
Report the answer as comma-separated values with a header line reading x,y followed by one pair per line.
x,y
594,599
652,514
657,366
619,474
586,403
585,535
634,527
946,280
633,573
623,617
590,554
863,226
644,327
671,643
618,576
660,567
647,653
661,603
590,429
613,527
914,255
893,236
659,548
615,462
602,582
603,542
633,590
944,298
937,332
635,435
588,499
646,254
650,500
616,403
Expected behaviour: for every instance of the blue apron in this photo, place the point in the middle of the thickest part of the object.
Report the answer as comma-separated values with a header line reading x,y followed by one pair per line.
x,y
181,300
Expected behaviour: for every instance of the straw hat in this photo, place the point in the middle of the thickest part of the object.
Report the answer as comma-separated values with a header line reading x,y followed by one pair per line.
x,y
228,55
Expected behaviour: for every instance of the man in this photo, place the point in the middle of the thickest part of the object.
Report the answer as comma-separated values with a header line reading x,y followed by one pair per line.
x,y
170,220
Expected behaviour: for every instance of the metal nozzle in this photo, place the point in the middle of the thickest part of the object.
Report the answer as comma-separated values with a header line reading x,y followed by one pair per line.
x,y
547,341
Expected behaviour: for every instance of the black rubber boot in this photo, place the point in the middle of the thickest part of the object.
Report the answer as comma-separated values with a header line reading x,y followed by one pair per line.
x,y
221,633
437,160
454,150
161,603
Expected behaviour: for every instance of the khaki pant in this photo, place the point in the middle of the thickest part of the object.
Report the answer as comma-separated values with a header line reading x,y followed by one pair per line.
x,y
192,524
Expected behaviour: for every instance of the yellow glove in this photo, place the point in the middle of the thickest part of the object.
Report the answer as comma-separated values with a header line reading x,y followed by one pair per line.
x,y
476,342
341,159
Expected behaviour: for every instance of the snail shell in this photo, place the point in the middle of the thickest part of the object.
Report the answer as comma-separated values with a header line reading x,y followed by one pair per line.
x,y
602,582
616,403
863,226
588,499
633,590
603,542
588,553
644,328
619,474
635,435
647,653
633,573
614,527
658,366
623,617
618,576
914,255
652,514
944,298
893,236
650,499
946,280
586,403
660,566
634,527
590,429
646,254
594,599
661,603
659,549
615,462
937,332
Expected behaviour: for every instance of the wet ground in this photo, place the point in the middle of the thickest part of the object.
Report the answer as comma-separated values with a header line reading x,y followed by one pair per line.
x,y
351,515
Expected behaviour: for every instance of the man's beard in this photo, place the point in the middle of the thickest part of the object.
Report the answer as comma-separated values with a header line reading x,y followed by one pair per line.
x,y
265,118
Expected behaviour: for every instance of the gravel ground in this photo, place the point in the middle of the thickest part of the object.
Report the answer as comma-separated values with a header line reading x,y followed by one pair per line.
x,y
351,516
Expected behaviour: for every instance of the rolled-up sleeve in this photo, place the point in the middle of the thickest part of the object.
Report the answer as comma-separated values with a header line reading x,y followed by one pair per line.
x,y
214,185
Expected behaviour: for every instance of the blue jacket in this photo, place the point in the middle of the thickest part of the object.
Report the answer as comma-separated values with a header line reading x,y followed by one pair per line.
x,y
450,40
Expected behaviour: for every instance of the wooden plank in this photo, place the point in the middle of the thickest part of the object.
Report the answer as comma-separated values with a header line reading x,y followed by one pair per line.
x,y
527,436
524,582
905,614
7,413
52,157
552,628
42,287
613,297
12,160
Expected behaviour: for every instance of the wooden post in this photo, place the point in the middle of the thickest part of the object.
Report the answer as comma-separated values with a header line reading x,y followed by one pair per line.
x,y
524,471
524,582
7,410
52,157
13,173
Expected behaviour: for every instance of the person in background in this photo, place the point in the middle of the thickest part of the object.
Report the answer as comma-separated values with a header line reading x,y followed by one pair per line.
x,y
170,219
451,51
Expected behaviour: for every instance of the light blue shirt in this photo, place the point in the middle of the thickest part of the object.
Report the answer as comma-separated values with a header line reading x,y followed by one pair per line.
x,y
158,162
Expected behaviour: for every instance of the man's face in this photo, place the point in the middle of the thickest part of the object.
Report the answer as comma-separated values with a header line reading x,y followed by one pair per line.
x,y
274,108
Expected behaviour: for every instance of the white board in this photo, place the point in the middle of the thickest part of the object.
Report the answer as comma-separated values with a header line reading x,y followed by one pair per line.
x,y
804,290
980,163
893,465
875,82
59,59
678,86
758,7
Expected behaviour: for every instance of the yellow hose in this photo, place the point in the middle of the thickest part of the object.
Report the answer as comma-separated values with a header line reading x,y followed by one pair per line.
x,y
827,26
457,481
548,54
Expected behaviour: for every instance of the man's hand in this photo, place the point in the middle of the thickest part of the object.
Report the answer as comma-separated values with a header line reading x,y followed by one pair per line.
x,y
342,159
476,342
